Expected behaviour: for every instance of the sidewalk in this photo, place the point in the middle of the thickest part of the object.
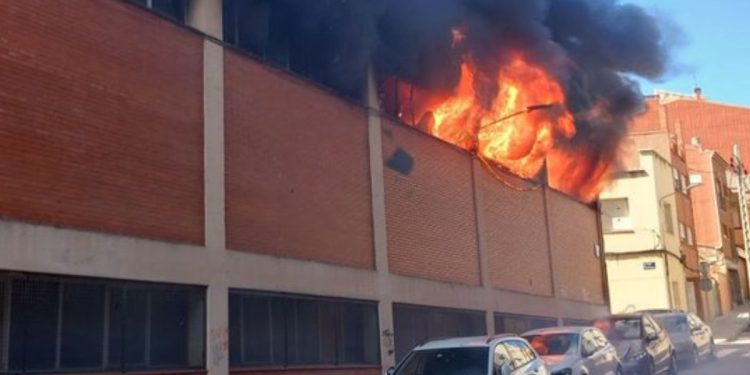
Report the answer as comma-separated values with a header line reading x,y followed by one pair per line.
x,y
730,325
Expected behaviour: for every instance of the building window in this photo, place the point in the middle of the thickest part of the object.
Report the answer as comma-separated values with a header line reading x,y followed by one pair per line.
x,y
668,224
518,324
683,231
676,179
616,216
175,9
720,195
414,325
76,324
690,236
684,184
280,33
281,330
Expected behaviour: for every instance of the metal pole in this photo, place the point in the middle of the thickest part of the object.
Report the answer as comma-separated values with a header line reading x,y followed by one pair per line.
x,y
740,170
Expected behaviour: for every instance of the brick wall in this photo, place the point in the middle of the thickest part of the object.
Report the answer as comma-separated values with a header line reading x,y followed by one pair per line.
x,y
100,119
718,125
516,235
649,119
297,169
430,214
573,231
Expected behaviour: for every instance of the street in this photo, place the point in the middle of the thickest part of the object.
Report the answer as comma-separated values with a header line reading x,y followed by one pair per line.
x,y
733,359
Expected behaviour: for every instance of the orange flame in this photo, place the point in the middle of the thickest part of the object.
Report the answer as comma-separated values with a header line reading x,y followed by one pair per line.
x,y
520,129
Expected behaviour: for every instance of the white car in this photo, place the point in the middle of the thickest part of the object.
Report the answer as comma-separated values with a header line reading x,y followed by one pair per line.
x,y
575,351
494,355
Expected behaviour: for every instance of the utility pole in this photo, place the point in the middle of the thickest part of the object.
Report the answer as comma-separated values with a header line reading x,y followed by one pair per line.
x,y
742,193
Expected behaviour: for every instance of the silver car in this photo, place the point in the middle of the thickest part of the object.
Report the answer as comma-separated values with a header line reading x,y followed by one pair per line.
x,y
494,355
575,351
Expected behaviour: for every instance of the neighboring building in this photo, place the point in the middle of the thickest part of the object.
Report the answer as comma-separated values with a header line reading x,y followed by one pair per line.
x,y
700,123
719,126
716,217
171,203
647,223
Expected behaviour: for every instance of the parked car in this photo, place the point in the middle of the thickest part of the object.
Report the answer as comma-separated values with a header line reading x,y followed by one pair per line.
x,y
494,355
642,344
691,338
575,351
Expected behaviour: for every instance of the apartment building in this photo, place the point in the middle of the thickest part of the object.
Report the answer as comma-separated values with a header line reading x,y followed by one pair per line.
x,y
716,217
177,196
709,130
649,236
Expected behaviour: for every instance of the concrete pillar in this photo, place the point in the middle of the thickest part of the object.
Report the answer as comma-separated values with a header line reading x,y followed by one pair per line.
x,y
385,303
550,252
205,15
217,344
484,260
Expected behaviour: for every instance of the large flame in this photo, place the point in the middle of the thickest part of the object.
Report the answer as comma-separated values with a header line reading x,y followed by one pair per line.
x,y
521,128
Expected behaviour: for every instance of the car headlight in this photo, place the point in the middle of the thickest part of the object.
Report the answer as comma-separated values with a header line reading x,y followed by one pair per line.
x,y
566,371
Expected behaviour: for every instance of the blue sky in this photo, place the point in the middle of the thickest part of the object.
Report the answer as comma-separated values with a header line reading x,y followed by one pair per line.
x,y
715,49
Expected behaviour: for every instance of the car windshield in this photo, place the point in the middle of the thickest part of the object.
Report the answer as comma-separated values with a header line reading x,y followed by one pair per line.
x,y
673,323
620,328
554,343
454,361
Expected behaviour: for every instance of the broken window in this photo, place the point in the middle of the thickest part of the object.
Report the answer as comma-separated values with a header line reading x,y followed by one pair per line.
x,y
175,9
284,36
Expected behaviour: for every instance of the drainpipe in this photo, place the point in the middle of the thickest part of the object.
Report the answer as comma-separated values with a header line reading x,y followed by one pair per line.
x,y
602,255
669,281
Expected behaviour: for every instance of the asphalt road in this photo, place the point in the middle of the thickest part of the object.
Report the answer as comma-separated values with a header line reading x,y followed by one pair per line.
x,y
733,359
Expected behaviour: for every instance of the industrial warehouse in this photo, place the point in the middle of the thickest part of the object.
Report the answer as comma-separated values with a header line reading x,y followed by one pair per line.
x,y
170,202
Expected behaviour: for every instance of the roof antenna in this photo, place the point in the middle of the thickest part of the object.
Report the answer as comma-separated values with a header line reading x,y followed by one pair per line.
x,y
696,89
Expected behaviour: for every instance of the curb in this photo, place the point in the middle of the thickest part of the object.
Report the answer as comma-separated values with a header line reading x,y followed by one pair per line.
x,y
734,336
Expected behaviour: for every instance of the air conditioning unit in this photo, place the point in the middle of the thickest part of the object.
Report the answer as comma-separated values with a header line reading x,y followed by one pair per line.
x,y
620,224
696,179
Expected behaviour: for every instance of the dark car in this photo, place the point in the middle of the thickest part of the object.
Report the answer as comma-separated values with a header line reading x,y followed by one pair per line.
x,y
691,338
643,345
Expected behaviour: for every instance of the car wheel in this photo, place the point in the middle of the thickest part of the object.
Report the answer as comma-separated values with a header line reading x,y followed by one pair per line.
x,y
696,357
712,353
672,365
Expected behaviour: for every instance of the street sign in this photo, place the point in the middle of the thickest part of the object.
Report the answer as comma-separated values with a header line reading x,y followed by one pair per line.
x,y
649,266
706,285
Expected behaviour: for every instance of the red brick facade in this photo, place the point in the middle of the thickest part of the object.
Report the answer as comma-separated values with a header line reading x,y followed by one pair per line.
x,y
516,235
718,125
101,119
297,168
98,145
430,213
574,234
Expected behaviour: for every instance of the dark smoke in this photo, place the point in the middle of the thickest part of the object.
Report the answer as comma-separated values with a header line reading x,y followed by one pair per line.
x,y
594,47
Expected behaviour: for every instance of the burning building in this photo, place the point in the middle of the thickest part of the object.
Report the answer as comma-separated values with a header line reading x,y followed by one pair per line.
x,y
173,199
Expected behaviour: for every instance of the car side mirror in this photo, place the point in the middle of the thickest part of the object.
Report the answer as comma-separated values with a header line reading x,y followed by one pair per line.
x,y
391,370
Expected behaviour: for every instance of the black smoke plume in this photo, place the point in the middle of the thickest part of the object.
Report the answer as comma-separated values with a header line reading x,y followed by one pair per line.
x,y
593,47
